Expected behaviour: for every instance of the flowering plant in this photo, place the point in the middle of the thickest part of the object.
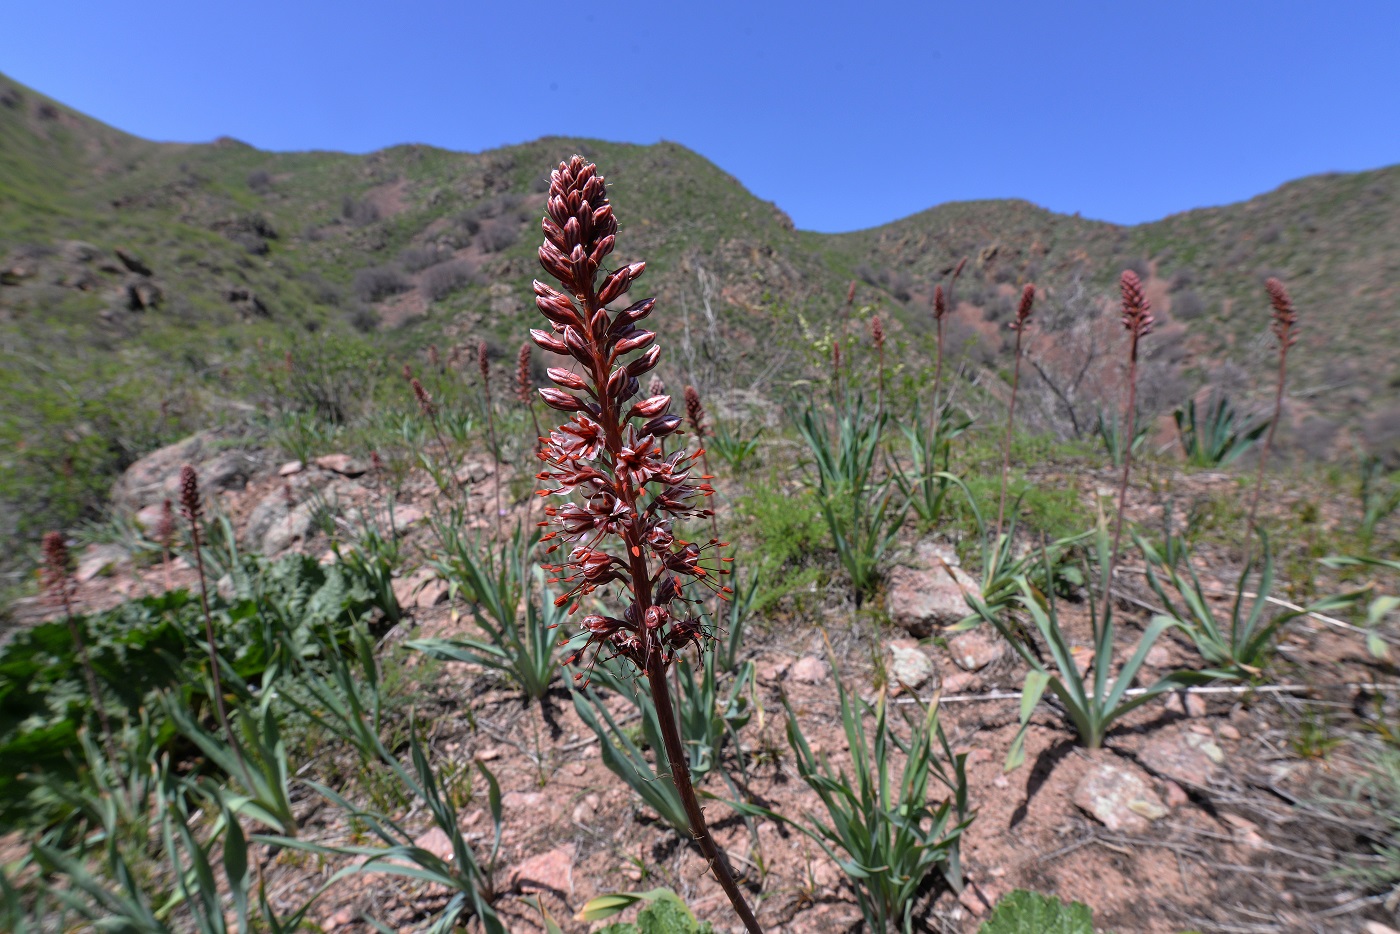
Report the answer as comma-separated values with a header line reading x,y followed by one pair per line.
x,y
624,493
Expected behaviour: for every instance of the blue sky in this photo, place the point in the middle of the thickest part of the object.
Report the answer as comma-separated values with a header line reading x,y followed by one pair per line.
x,y
846,115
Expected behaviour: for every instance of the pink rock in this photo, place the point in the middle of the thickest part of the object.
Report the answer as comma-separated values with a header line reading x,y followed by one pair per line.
x,y
975,649
289,468
770,674
98,560
149,517
437,843
547,872
343,464
1185,757
808,670
1118,798
432,593
1175,795
919,600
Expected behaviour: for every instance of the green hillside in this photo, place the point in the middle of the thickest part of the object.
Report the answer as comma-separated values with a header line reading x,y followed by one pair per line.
x,y
150,290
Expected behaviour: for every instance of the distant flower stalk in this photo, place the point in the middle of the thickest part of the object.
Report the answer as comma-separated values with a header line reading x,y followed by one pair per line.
x,y
483,364
1022,320
1284,326
59,587
695,412
1137,321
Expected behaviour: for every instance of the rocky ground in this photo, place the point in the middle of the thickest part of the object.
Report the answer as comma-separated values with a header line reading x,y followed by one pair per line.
x,y
1205,811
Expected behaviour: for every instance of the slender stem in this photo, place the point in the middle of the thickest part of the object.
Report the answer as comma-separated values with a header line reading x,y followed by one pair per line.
x,y
1131,418
88,673
212,645
937,376
495,456
880,386
1010,420
680,776
1268,444
539,432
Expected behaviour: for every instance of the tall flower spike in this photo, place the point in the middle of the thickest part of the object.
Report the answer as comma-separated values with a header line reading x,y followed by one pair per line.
x,y
656,386
940,303
851,294
1137,321
1285,322
433,359
877,333
1137,310
1023,317
59,587
483,363
623,493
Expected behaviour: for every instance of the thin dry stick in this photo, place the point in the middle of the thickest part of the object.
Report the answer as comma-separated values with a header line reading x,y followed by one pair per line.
x,y
695,412
60,588
165,536
192,509
941,304
1284,324
1023,314
524,390
483,363
877,336
1137,321
609,460
429,408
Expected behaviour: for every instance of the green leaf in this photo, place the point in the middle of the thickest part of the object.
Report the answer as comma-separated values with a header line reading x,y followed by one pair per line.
x,y
605,906
1022,912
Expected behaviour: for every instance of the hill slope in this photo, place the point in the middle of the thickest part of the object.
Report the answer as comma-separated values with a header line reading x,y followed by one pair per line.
x,y
150,289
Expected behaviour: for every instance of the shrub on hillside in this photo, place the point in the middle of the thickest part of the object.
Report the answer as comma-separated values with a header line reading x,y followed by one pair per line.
x,y
1187,305
497,234
379,282
415,258
437,282
359,213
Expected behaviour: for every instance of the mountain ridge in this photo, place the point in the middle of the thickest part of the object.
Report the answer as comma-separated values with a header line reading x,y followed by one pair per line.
x,y
249,254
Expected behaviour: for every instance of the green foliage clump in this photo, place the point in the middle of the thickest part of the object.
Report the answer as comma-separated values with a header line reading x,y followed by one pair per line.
x,y
662,913
787,529
1022,912
151,647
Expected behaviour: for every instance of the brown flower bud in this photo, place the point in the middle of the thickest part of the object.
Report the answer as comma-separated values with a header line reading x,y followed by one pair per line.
x,y
940,303
851,294
164,531
877,333
1137,310
1285,318
694,411
55,572
522,374
1023,308
426,405
483,362
190,505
